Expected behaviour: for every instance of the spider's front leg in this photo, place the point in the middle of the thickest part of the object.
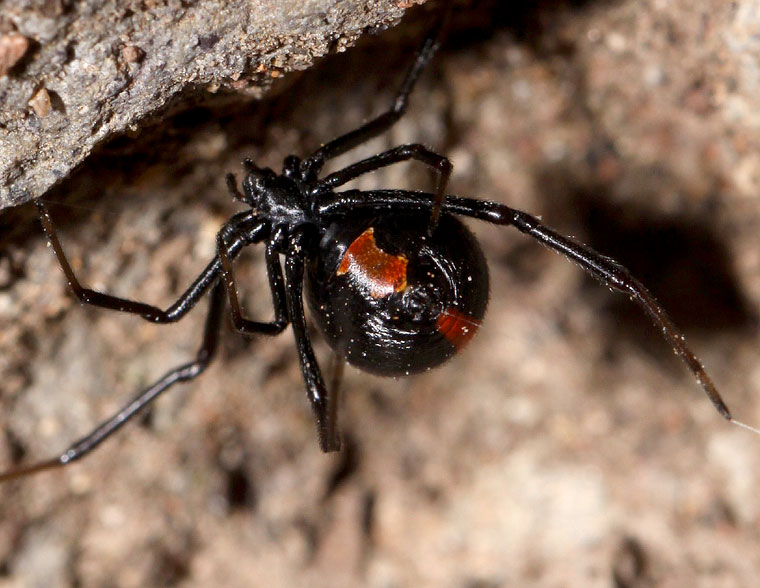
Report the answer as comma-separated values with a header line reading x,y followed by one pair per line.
x,y
312,165
439,163
321,401
147,311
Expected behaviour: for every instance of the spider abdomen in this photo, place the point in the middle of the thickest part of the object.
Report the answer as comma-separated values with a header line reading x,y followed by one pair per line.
x,y
392,300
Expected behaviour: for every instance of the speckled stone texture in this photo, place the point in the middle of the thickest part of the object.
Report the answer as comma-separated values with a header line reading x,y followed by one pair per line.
x,y
565,447
104,67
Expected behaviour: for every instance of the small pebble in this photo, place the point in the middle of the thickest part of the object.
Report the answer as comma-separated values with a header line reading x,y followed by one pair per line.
x,y
40,103
13,47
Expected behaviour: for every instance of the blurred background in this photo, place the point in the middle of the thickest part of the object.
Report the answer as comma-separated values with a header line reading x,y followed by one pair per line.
x,y
566,446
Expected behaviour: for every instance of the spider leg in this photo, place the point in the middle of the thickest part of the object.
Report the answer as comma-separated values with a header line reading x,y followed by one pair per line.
x,y
440,164
147,311
606,270
276,286
182,373
313,164
316,391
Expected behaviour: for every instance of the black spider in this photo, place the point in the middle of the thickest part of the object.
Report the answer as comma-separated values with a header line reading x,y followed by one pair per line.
x,y
395,281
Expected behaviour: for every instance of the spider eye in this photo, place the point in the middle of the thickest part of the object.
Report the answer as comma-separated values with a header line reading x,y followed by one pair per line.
x,y
256,184
291,166
250,186
259,183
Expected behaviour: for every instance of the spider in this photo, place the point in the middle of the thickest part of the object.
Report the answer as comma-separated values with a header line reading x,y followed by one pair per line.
x,y
394,280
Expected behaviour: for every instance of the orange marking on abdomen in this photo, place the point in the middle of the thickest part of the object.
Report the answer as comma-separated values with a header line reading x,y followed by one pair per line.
x,y
456,327
380,272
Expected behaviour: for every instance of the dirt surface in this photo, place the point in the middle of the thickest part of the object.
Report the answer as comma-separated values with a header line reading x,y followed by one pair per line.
x,y
565,447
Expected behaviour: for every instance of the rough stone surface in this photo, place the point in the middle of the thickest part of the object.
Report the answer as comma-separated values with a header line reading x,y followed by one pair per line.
x,y
565,447
109,65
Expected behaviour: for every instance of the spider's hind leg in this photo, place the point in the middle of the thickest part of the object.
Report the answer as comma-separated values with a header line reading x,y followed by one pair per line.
x,y
607,271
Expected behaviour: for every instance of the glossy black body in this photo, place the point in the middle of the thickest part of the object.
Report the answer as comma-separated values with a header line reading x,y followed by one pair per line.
x,y
431,278
398,335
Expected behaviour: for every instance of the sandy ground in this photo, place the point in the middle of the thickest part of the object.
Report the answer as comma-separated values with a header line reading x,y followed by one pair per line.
x,y
565,447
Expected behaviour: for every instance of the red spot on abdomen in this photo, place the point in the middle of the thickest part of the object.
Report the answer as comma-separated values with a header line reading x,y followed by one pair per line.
x,y
371,267
458,328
